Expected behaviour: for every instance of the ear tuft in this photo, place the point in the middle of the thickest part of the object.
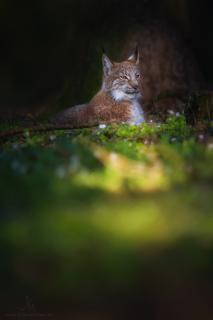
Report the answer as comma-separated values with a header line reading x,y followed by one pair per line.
x,y
107,65
135,56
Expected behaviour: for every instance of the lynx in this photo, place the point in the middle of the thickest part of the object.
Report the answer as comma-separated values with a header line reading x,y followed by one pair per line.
x,y
119,99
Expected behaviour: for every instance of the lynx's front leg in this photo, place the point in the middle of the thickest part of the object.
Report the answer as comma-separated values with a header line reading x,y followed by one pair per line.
x,y
137,114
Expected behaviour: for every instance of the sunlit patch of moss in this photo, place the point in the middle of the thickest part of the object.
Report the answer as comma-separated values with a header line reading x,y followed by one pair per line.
x,y
175,129
121,174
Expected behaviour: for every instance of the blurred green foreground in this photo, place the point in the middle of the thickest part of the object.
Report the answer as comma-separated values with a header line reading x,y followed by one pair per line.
x,y
116,218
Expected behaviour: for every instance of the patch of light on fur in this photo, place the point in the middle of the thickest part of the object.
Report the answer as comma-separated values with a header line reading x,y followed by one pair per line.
x,y
137,114
118,95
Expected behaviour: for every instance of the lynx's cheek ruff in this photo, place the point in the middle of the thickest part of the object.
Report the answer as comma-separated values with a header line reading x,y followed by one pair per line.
x,y
128,95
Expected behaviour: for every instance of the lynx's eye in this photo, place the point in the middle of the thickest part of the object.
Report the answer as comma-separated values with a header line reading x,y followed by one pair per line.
x,y
123,77
137,75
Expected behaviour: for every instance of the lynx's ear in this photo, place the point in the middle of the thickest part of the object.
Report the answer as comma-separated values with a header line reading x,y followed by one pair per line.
x,y
135,56
107,65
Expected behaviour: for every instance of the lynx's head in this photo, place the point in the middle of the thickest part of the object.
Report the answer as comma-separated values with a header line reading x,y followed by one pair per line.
x,y
122,80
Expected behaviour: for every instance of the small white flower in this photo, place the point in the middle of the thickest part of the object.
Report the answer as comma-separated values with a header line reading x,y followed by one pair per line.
x,y
151,121
201,136
177,114
102,126
210,146
173,139
52,137
171,112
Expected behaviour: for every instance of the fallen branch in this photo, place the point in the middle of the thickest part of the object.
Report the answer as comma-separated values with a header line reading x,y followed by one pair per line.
x,y
40,128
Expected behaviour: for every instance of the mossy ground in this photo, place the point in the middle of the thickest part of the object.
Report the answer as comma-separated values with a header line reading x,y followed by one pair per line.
x,y
107,211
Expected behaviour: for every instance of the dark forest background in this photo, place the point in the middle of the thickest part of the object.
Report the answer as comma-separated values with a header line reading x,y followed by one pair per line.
x,y
114,221
50,49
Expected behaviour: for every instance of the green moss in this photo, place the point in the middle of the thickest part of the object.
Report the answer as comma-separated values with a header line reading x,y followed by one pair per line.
x,y
109,206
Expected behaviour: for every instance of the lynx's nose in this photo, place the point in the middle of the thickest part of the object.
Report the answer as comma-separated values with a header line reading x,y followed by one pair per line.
x,y
134,85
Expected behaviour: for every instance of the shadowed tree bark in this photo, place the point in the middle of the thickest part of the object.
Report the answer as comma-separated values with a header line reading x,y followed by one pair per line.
x,y
51,49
